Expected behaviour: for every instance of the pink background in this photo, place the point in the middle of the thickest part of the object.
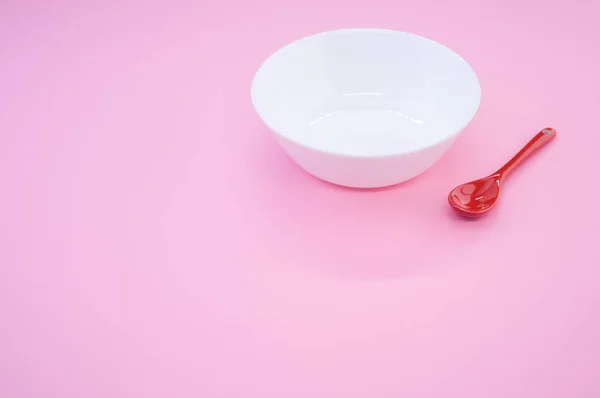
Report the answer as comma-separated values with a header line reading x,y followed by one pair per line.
x,y
156,242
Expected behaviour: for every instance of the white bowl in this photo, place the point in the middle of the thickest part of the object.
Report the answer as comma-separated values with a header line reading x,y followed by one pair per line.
x,y
365,108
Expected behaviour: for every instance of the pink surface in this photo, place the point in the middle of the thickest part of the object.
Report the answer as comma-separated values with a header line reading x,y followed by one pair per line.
x,y
156,242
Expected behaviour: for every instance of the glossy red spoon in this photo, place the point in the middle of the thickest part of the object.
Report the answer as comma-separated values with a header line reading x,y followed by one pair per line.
x,y
476,198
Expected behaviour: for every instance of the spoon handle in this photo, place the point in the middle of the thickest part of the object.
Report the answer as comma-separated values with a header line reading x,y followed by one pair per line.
x,y
540,139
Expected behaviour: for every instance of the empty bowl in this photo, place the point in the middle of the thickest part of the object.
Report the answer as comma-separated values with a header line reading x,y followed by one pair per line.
x,y
365,108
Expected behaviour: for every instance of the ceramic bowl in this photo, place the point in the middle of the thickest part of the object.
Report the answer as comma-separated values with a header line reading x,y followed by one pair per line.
x,y
365,108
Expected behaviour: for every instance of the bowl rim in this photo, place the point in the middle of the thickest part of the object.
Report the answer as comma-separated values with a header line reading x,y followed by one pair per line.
x,y
385,155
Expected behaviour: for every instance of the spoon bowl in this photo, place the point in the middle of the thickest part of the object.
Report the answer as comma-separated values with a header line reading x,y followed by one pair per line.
x,y
477,197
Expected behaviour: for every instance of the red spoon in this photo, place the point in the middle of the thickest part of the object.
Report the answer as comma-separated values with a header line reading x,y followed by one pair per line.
x,y
476,198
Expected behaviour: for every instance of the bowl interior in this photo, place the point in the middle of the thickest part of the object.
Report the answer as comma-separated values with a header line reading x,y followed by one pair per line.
x,y
366,92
